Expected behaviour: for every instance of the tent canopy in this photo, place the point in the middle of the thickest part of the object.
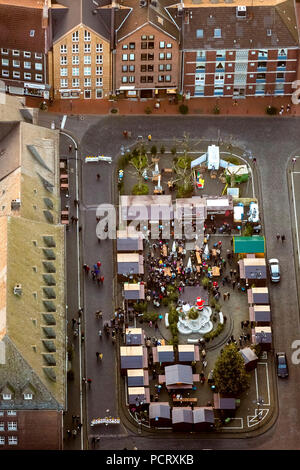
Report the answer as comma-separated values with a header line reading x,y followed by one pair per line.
x,y
254,244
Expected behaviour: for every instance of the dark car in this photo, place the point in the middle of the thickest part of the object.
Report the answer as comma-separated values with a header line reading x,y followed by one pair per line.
x,y
282,365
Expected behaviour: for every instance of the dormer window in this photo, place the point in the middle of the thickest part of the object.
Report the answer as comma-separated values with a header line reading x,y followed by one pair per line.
x,y
28,396
6,396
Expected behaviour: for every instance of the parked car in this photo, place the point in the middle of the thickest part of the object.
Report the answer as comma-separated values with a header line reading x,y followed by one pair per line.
x,y
282,365
274,270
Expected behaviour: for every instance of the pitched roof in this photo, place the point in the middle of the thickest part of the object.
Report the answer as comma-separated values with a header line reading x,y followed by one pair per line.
x,y
159,410
239,33
16,23
75,12
182,415
154,13
178,374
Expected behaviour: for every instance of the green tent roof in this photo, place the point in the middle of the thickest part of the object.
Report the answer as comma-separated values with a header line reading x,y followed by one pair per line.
x,y
254,244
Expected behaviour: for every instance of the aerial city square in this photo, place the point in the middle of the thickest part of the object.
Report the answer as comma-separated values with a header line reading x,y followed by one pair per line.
x,y
150,205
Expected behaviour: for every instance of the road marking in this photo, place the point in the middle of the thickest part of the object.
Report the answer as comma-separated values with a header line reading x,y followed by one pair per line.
x,y
235,427
267,380
295,216
253,420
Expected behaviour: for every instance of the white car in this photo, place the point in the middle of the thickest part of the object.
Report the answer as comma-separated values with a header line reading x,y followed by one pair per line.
x,y
274,270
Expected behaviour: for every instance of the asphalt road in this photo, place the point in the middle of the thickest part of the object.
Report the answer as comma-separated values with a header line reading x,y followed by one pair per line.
x,y
272,141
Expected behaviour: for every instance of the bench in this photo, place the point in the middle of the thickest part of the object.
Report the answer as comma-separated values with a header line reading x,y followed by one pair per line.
x,y
221,318
167,320
191,340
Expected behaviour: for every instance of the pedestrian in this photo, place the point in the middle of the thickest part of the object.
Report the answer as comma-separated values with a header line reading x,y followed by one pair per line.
x,y
73,322
242,324
98,176
282,238
149,137
233,284
231,272
89,382
73,418
79,426
254,160
97,355
82,337
87,269
100,334
278,236
225,296
80,312
98,264
228,295
84,380
101,356
294,161
288,108
102,279
74,432
76,202
70,148
69,433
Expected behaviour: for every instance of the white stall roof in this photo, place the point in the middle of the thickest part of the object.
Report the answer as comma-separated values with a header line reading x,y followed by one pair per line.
x,y
213,157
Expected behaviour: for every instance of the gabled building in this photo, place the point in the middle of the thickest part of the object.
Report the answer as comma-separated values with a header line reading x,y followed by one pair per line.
x,y
146,46
238,49
81,57
32,295
25,38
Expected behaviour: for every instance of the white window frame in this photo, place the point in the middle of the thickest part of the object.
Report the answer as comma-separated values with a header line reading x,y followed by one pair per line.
x,y
28,396
87,48
15,53
88,82
99,47
75,36
5,73
16,63
99,70
63,60
6,396
75,59
12,425
38,77
99,82
27,65
38,66
16,74
87,71
75,82
12,440
2,440
63,83
75,71
87,59
11,413
5,62
87,35
85,92
99,90
2,426
217,32
63,48
64,71
38,55
75,48
99,59
4,51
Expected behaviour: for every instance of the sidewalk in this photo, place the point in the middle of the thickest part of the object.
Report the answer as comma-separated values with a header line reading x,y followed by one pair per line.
x,y
244,107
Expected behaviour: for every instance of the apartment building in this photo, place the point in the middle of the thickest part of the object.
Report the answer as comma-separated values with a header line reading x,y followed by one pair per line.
x,y
147,57
32,294
25,39
238,49
81,56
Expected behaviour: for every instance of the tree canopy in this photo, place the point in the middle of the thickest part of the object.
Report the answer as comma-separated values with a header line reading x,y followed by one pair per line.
x,y
229,372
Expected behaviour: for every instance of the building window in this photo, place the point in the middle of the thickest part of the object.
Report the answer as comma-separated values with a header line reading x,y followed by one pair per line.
x,y
38,55
169,55
7,396
5,62
199,33
12,440
269,32
38,66
144,45
261,65
87,59
87,35
63,49
99,93
199,78
4,51
168,78
63,72
63,60
125,46
5,73
75,82
87,71
12,426
150,79
131,79
75,71
263,54
131,57
75,48
143,56
144,37
75,36
27,54
124,79
11,413
217,33
75,59
281,64
16,63
201,55
16,74
32,33
261,76
124,56
161,67
2,441
124,68
161,56
169,45
15,52
131,68
87,94
2,426
99,59
162,45
27,76
168,67
99,47
143,79
64,83
161,78
99,70
132,45
150,56
87,82
87,48
280,75
39,77
282,53
28,396
99,81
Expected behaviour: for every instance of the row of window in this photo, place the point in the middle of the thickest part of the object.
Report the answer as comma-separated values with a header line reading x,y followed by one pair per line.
x,y
11,426
87,59
26,76
75,48
12,440
147,68
148,45
25,53
162,56
87,94
218,76
86,71
86,36
221,65
259,89
262,53
26,64
76,82
8,396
